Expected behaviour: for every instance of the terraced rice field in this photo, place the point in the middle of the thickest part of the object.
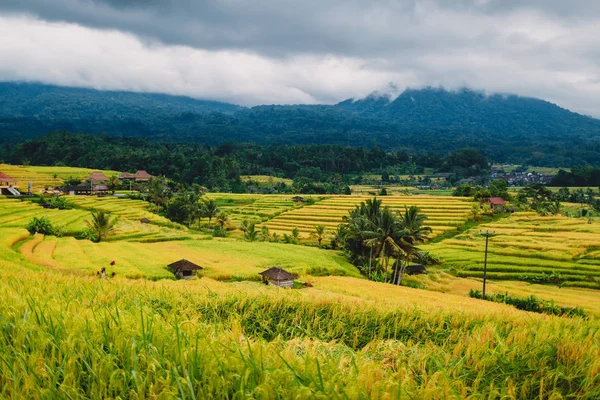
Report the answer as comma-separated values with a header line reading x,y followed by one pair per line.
x,y
41,176
133,210
16,214
221,259
252,207
443,213
527,245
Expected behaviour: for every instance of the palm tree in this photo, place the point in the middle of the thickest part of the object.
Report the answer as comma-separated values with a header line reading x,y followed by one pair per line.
x,y
251,234
264,233
384,237
555,208
101,225
339,236
319,233
222,218
209,210
414,232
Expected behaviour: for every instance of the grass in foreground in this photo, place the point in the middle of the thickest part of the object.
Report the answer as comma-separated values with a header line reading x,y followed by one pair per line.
x,y
67,337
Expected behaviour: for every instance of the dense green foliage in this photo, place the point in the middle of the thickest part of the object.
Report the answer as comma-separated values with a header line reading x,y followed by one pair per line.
x,y
41,225
579,176
373,234
432,120
314,168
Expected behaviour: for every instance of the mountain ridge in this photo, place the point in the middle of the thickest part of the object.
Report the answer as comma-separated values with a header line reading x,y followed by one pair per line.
x,y
430,119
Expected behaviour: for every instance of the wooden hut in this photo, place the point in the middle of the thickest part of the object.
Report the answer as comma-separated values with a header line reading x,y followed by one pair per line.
x,y
298,199
278,277
6,185
184,269
127,176
496,202
97,178
142,176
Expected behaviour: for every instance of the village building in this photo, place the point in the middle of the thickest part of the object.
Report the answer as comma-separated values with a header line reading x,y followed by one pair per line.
x,y
496,202
7,187
127,176
96,178
139,176
86,189
142,176
184,269
278,277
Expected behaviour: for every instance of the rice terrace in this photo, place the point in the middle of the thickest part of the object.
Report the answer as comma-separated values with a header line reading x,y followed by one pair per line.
x,y
299,200
341,331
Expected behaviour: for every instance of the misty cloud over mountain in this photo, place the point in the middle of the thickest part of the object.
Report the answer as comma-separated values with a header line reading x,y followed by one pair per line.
x,y
307,52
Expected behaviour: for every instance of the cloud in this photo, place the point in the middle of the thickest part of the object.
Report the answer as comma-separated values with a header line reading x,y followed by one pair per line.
x,y
259,51
73,55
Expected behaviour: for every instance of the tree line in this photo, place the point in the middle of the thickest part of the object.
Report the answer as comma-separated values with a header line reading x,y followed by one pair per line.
x,y
314,168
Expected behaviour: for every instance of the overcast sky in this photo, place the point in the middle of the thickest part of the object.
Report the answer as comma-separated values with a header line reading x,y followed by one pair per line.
x,y
307,51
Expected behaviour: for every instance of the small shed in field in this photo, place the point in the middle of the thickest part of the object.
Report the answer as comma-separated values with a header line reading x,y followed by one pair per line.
x,y
184,269
278,277
298,199
6,185
496,201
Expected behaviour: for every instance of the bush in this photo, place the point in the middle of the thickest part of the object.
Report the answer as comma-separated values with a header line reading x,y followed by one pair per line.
x,y
531,303
219,231
553,278
42,225
89,235
59,203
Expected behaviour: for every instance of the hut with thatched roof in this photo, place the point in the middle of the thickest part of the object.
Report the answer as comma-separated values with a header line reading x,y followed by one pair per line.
x,y
96,178
127,176
184,269
142,176
278,277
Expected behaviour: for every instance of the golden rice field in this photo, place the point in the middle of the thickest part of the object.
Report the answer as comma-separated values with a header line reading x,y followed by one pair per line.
x,y
221,259
77,337
66,334
41,176
253,207
16,214
527,244
444,214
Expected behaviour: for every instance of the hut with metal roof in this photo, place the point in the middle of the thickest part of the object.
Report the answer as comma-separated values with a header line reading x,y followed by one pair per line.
x,y
184,269
278,277
6,185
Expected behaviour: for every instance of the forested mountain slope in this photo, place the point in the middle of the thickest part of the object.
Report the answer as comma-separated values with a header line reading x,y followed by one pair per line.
x,y
505,127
